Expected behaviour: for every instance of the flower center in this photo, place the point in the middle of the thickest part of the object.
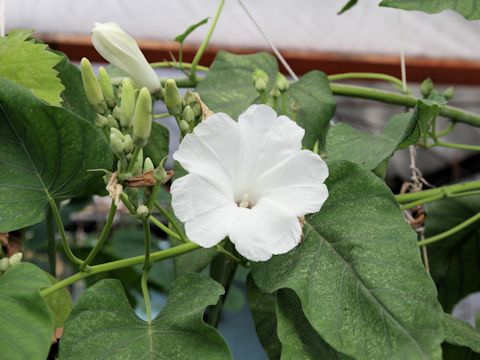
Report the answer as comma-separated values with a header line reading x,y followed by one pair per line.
x,y
245,202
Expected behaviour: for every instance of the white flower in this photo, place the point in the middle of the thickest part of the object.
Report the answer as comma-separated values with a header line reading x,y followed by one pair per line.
x,y
249,180
121,50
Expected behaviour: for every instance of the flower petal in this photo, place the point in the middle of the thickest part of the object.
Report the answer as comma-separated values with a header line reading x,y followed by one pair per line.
x,y
212,150
193,195
266,141
212,227
296,184
265,230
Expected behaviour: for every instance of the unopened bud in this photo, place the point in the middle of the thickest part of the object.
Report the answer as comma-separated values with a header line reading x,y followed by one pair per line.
x,y
112,123
142,118
183,125
188,115
142,211
159,173
259,74
116,144
260,85
125,111
148,165
426,87
281,82
15,259
138,164
106,86
275,92
101,121
172,97
127,143
117,133
91,86
449,93
4,264
193,102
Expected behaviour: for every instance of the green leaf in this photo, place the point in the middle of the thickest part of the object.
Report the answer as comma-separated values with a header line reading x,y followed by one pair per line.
x,y
31,65
194,261
45,152
469,9
157,146
262,305
359,275
60,304
181,38
310,103
368,150
347,6
455,261
299,340
458,332
103,325
26,325
228,85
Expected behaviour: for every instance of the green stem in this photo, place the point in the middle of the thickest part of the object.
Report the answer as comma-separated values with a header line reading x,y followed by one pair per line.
x,y
172,221
136,152
203,46
166,229
146,269
446,131
103,237
422,201
451,231
58,220
161,116
52,247
403,100
182,82
114,265
445,191
366,75
176,65
455,146
154,194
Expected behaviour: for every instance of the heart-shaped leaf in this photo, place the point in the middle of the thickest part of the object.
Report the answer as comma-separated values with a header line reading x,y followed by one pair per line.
x,y
103,325
470,9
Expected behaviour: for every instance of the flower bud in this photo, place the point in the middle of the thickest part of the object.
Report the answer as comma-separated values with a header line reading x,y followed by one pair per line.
x,y
124,112
138,165
142,211
91,86
188,115
142,118
183,125
106,86
259,74
116,144
426,87
193,102
121,50
159,173
172,97
127,143
260,85
112,123
101,121
281,83
275,92
449,93
117,133
4,264
148,165
15,259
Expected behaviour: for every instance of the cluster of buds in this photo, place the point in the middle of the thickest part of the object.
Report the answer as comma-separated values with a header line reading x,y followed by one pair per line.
x,y
187,110
6,263
260,80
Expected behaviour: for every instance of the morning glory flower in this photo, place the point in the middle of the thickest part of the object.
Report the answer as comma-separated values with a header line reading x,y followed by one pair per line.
x,y
120,49
249,180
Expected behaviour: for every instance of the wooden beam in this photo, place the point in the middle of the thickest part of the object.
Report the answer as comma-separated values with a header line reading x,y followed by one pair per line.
x,y
444,71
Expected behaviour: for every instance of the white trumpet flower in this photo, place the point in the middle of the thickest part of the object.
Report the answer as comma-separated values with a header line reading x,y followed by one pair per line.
x,y
249,180
120,49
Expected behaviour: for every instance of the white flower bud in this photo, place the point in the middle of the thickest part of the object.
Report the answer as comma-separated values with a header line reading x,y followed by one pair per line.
x,y
121,50
4,264
142,211
15,259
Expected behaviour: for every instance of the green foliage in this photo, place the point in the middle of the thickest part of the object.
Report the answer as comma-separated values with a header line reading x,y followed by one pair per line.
x,y
458,332
469,9
455,261
32,65
60,304
45,152
358,273
228,85
26,324
181,38
157,146
103,325
347,6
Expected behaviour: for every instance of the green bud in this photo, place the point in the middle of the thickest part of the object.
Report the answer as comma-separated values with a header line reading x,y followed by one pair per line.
x,y
260,85
101,121
15,259
142,211
117,133
125,111
449,93
159,173
259,74
426,87
275,92
138,165
142,118
4,264
192,101
106,86
127,143
281,82
172,98
183,125
148,165
116,144
111,122
188,115
91,86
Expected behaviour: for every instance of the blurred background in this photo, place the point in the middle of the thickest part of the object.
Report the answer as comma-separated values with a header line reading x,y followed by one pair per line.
x,y
310,35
